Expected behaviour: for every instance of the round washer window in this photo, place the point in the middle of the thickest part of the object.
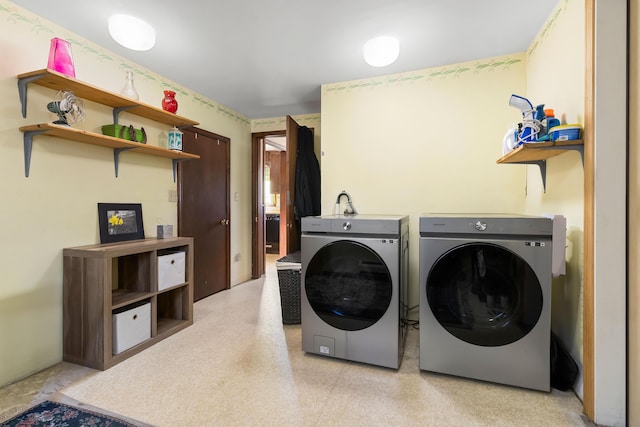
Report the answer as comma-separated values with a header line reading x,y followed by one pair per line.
x,y
484,294
348,285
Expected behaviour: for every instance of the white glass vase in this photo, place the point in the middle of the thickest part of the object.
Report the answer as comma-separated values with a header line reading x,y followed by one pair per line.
x,y
129,89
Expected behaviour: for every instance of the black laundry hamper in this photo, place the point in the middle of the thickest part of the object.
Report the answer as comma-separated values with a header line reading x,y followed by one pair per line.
x,y
289,270
564,369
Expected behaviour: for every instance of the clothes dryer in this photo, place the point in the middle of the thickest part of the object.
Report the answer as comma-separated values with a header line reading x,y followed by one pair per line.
x,y
485,297
354,274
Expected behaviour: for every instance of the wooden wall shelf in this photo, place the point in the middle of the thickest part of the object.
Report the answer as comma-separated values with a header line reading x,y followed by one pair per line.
x,y
537,153
54,80
118,144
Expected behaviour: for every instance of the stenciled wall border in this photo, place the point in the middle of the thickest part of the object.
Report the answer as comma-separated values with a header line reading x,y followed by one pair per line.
x,y
280,123
425,75
19,16
448,71
550,23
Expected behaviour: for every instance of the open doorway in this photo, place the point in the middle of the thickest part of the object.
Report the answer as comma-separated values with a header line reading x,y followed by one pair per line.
x,y
269,175
275,147
289,241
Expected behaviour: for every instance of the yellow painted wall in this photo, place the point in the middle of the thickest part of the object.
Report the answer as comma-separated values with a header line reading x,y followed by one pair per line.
x,y
56,206
425,141
555,77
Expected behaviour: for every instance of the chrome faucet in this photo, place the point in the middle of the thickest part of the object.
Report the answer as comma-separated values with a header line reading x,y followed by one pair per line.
x,y
350,210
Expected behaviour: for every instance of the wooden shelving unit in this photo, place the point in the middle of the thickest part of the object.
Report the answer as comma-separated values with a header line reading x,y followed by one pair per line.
x,y
537,153
100,280
54,80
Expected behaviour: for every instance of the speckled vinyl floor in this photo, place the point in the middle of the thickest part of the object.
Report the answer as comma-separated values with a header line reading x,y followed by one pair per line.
x,y
239,366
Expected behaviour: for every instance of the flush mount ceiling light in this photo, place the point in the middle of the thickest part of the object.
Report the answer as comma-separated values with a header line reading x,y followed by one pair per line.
x,y
381,51
132,33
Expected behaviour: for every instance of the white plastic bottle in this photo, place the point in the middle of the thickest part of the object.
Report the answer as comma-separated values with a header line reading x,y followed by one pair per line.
x,y
509,140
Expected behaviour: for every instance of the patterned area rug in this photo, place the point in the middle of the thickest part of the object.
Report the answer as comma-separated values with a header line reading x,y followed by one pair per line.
x,y
54,414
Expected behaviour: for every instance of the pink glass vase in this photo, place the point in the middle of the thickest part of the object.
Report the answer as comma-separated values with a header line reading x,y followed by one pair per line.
x,y
169,102
60,58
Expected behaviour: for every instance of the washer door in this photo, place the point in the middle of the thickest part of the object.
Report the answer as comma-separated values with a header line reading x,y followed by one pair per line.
x,y
348,285
484,294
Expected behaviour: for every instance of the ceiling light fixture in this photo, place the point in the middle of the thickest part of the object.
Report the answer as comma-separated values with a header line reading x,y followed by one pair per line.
x,y
131,32
381,51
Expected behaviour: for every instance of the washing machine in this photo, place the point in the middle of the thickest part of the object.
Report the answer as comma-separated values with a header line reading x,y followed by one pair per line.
x,y
354,275
485,297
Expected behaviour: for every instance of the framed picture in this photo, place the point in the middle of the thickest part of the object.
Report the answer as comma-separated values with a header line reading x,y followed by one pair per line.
x,y
120,221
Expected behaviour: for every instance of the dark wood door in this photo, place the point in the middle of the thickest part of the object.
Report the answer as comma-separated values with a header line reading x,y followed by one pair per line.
x,y
257,193
203,209
291,235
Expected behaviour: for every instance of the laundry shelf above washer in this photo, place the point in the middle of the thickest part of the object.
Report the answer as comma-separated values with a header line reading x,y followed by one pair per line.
x,y
537,153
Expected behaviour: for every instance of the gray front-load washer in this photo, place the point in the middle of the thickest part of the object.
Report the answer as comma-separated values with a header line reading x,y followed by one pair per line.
x,y
485,297
354,287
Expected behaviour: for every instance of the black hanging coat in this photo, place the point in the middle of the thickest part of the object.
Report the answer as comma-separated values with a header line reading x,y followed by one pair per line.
x,y
307,179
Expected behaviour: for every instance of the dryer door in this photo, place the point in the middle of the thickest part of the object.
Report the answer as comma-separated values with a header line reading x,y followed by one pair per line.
x,y
348,285
484,294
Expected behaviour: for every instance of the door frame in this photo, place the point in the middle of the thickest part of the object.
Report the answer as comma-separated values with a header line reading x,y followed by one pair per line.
x,y
258,208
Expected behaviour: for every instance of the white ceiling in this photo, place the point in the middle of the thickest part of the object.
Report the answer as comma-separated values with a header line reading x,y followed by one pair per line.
x,y
268,58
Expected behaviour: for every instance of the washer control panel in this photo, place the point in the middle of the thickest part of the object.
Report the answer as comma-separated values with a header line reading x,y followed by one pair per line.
x,y
481,225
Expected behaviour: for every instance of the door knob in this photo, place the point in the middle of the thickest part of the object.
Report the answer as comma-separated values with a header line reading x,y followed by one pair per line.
x,y
224,221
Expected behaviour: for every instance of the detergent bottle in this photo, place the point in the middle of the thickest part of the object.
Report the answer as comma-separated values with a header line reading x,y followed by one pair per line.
x,y
551,120
509,139
548,123
540,112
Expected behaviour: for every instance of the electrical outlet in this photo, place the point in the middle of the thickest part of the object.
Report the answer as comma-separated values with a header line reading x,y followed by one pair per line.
x,y
236,258
173,195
